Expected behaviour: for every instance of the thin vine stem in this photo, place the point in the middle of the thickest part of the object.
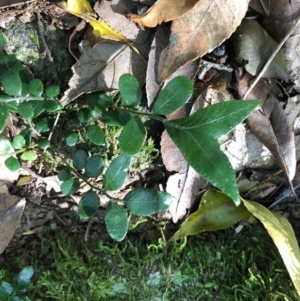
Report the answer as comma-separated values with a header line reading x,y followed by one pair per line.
x,y
142,114
23,98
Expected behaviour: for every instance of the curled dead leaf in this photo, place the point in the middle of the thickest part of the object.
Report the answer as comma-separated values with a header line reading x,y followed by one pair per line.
x,y
164,11
205,27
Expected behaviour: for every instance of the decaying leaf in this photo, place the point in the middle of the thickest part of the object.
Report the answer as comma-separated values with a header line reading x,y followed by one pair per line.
x,y
164,11
157,56
11,210
254,46
283,236
216,212
261,6
283,16
205,27
270,125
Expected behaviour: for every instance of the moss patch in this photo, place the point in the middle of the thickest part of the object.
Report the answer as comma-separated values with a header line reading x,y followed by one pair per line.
x,y
213,266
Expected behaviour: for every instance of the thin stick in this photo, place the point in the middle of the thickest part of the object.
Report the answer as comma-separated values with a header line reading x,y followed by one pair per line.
x,y
270,60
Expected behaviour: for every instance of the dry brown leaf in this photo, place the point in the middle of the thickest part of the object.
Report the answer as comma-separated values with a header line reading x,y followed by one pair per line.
x,y
100,67
11,210
201,30
157,56
283,15
164,11
271,126
261,6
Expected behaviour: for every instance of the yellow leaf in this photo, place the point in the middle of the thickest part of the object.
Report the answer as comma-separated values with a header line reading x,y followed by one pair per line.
x,y
24,180
78,7
283,236
216,211
83,10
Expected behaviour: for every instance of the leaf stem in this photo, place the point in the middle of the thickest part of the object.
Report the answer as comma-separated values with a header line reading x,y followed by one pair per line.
x,y
23,98
142,114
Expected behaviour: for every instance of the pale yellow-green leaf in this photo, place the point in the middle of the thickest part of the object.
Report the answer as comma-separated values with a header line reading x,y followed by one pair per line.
x,y
216,211
283,236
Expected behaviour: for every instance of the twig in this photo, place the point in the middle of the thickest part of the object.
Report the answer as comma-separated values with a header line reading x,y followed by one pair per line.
x,y
285,195
270,59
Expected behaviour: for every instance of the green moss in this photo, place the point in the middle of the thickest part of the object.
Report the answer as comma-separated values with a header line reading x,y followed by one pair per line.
x,y
214,266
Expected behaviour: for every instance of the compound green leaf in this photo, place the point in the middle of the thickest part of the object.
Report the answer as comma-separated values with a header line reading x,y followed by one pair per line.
x,y
21,281
64,174
52,91
132,136
35,87
116,173
116,221
5,290
115,118
51,105
94,166
4,111
197,138
11,82
18,142
146,201
130,90
95,134
12,164
25,109
89,204
29,155
43,143
84,115
70,186
216,211
79,159
5,145
72,139
176,93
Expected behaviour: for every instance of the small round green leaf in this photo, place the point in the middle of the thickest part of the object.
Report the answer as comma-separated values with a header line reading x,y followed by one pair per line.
x,y
4,111
84,115
72,139
94,167
38,107
44,125
130,90
116,221
21,282
52,91
70,186
176,93
79,159
11,83
116,173
25,109
5,145
35,87
52,105
5,290
95,134
146,201
64,174
43,143
29,155
132,136
89,204
12,164
18,142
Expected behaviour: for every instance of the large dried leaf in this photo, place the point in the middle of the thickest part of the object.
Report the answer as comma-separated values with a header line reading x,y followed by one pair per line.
x,y
201,30
164,11
252,44
157,56
216,212
283,15
271,126
100,67
11,210
283,236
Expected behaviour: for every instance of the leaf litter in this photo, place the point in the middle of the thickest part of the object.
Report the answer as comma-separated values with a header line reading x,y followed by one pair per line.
x,y
191,37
